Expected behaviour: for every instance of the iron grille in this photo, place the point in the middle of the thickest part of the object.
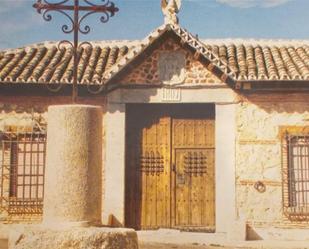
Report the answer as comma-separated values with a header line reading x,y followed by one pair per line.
x,y
22,169
296,176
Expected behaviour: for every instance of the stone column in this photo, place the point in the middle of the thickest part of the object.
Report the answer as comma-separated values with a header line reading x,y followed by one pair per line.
x,y
73,177
73,187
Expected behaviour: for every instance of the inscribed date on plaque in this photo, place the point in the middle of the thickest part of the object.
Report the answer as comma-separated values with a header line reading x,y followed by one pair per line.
x,y
171,94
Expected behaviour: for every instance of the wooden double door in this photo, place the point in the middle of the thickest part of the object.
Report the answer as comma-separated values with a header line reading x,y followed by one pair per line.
x,y
170,167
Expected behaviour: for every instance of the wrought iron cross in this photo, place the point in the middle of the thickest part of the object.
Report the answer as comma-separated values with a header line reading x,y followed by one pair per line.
x,y
106,8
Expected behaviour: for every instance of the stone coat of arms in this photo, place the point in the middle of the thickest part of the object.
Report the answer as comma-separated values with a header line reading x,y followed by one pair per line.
x,y
172,67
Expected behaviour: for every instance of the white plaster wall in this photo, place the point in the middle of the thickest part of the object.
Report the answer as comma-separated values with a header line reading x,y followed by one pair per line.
x,y
114,166
259,158
225,166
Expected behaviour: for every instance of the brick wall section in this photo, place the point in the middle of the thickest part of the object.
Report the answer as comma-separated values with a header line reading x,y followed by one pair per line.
x,y
147,71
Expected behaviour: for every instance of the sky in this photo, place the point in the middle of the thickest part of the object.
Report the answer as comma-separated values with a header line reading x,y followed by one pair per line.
x,y
21,25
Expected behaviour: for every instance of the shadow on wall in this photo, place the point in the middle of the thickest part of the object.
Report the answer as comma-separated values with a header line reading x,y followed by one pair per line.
x,y
252,234
280,102
113,222
36,99
130,96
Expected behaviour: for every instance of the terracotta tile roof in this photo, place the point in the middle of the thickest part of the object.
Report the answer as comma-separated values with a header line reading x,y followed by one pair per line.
x,y
264,60
45,63
185,38
238,60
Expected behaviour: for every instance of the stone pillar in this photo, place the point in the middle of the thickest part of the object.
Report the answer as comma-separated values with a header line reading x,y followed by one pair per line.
x,y
114,201
73,177
225,166
73,187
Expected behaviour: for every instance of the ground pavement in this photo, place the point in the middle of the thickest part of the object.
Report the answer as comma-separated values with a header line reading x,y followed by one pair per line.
x,y
143,245
174,246
149,245
3,245
174,239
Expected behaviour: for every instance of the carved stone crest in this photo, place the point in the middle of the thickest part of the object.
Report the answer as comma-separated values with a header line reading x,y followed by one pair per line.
x,y
172,67
170,9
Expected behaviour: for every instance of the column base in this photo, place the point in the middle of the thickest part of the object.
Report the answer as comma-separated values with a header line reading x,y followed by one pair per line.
x,y
38,237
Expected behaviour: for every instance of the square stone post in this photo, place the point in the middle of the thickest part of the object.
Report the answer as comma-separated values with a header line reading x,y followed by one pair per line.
x,y
114,196
225,166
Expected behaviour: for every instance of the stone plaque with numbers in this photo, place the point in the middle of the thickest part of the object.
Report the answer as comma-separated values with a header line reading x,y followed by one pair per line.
x,y
171,95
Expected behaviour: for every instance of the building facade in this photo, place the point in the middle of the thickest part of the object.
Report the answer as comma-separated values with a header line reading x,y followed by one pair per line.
x,y
199,135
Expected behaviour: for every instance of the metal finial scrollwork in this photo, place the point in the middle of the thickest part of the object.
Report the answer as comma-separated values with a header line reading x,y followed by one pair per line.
x,y
103,2
104,18
47,16
57,3
62,45
54,89
95,89
106,8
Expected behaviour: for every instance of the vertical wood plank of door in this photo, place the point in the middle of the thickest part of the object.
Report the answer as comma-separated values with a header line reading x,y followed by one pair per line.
x,y
209,190
193,140
155,178
147,181
163,181
197,199
197,184
181,191
209,177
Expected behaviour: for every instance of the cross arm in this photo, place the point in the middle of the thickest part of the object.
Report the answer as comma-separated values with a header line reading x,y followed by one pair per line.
x,y
93,8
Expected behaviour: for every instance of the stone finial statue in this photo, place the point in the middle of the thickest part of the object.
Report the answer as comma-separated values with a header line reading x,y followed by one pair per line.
x,y
170,9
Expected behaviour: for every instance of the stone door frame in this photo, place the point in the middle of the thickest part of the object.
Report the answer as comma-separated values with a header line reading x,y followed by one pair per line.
x,y
225,101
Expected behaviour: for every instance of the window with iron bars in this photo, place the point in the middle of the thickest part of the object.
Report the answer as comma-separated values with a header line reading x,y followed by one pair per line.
x,y
296,176
22,168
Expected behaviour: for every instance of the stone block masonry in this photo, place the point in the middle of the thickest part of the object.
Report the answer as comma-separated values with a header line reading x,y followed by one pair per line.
x,y
72,238
259,158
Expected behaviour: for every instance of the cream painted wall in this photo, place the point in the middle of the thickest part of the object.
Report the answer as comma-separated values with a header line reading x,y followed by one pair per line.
x,y
258,154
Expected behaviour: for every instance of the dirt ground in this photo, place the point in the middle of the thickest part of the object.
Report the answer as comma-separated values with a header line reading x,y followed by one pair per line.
x,y
172,246
3,245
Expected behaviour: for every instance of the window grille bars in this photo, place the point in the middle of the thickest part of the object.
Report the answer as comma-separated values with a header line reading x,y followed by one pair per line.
x,y
296,176
22,169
